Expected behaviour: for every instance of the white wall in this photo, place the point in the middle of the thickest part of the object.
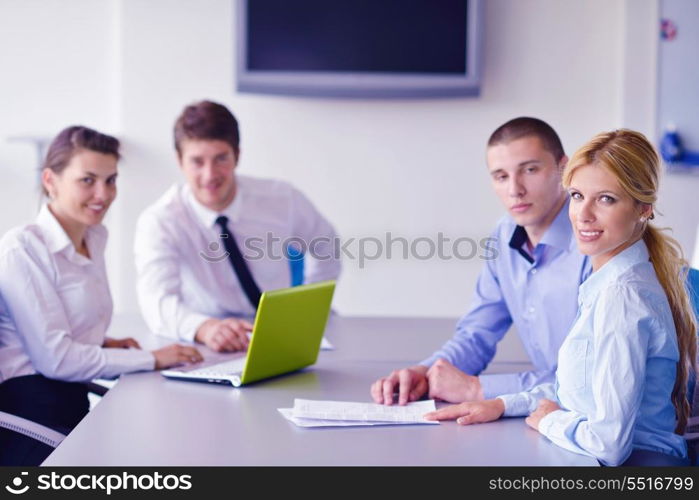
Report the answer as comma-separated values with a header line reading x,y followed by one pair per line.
x,y
411,167
56,69
677,208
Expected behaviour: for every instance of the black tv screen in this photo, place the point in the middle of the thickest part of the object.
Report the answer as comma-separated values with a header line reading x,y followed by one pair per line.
x,y
380,48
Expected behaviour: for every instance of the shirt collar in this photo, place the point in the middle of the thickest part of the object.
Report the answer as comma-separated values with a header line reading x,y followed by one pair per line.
x,y
559,234
57,239
615,267
519,238
207,216
54,234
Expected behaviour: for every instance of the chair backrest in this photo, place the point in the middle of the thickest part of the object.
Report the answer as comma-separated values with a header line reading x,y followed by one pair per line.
x,y
296,264
30,429
693,289
692,434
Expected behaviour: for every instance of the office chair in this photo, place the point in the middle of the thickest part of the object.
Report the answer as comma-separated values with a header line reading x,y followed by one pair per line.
x,y
692,433
25,442
39,432
30,429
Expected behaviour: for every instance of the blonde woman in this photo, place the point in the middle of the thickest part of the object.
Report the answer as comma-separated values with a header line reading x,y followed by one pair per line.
x,y
620,391
56,305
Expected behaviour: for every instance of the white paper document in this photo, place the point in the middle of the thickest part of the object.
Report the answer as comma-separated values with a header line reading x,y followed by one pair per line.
x,y
288,414
310,413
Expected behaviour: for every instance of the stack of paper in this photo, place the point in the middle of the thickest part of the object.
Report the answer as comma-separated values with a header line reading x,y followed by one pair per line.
x,y
309,413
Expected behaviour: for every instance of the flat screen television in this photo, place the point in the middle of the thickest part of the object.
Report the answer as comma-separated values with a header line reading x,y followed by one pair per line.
x,y
359,48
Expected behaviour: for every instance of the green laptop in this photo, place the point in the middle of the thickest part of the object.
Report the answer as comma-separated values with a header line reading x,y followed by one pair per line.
x,y
286,337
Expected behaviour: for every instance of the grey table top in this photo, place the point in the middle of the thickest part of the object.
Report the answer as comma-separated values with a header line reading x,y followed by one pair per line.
x,y
149,420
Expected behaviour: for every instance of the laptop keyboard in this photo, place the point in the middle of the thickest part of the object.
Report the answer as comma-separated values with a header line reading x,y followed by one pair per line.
x,y
225,369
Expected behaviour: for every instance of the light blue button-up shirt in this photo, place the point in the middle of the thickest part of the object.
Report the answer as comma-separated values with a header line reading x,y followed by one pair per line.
x,y
616,368
538,293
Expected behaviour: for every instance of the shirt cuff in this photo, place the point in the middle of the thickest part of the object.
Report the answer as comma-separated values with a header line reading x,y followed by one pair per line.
x,y
120,361
188,327
547,422
516,405
497,384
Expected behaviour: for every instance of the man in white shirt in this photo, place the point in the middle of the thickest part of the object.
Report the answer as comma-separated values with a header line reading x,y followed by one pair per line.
x,y
207,249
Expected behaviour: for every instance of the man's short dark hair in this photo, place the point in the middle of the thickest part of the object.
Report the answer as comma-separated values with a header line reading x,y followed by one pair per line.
x,y
525,126
206,120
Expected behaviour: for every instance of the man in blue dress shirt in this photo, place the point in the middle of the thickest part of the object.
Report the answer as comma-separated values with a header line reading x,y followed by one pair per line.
x,y
533,282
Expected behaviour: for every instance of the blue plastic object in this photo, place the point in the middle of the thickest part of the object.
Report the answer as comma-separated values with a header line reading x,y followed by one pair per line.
x,y
295,257
672,151
693,289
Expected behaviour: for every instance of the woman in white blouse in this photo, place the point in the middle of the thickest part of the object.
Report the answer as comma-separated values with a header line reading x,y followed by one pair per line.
x,y
55,304
621,383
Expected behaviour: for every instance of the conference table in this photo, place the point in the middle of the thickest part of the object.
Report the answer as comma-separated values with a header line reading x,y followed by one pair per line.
x,y
148,420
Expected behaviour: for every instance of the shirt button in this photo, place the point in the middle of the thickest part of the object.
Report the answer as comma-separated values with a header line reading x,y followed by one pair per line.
x,y
534,271
531,310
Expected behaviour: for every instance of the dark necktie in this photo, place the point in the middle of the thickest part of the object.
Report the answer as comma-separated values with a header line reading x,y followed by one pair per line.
x,y
252,291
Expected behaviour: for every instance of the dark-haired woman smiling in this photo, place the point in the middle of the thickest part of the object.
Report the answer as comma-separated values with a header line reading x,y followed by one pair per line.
x,y
56,305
